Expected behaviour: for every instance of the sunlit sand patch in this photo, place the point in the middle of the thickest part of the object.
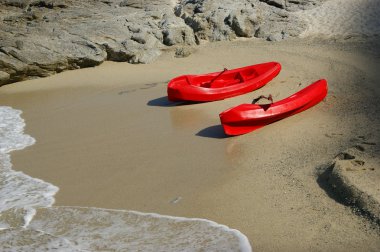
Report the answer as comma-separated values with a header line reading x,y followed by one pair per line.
x,y
343,18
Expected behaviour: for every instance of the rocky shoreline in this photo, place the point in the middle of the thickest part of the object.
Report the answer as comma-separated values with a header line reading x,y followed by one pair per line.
x,y
41,38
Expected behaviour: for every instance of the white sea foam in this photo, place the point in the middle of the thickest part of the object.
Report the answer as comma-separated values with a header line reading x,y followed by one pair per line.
x,y
94,229
28,240
18,190
12,135
29,223
343,18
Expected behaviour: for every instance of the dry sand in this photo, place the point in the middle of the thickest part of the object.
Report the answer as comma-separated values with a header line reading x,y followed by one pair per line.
x,y
107,137
342,18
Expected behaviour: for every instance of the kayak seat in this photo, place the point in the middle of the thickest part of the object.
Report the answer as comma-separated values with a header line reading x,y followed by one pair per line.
x,y
205,84
237,78
223,81
241,76
248,74
195,81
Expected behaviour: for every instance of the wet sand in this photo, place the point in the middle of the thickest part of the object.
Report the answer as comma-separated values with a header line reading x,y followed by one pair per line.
x,y
107,137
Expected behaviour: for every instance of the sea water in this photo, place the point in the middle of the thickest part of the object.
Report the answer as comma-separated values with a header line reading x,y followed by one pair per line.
x,y
29,222
18,190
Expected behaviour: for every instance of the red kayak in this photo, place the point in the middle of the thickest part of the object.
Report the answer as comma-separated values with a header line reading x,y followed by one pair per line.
x,y
221,85
249,117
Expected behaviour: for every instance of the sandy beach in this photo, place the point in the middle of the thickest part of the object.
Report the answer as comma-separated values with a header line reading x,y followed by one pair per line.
x,y
98,159
108,138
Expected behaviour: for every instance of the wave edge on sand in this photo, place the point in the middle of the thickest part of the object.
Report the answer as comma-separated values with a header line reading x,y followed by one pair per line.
x,y
29,222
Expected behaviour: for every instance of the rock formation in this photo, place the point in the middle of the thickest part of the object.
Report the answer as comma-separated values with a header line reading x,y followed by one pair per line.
x,y
42,37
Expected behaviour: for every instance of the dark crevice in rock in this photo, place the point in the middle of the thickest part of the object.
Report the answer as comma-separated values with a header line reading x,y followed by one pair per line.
x,y
138,4
275,3
43,4
82,63
3,50
118,56
15,3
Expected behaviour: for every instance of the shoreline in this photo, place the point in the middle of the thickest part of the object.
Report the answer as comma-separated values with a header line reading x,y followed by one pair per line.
x,y
106,139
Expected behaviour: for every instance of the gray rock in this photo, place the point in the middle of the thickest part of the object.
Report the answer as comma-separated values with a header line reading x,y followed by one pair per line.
x,y
132,3
4,77
243,23
15,3
226,19
175,31
275,37
294,5
53,36
183,52
124,3
145,57
277,3
42,37
139,37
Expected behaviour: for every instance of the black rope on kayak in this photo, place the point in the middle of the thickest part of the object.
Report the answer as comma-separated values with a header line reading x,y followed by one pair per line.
x,y
269,98
216,77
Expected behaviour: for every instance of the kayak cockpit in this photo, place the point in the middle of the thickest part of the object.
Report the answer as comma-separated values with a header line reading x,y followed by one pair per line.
x,y
223,84
222,79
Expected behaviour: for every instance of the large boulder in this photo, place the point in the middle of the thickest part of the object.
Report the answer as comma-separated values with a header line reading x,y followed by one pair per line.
x,y
226,19
176,32
40,38
244,22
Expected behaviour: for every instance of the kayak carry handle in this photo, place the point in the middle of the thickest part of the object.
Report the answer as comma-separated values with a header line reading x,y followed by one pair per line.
x,y
269,98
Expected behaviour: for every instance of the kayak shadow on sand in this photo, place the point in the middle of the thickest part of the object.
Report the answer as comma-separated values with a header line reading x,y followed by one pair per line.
x,y
164,102
215,131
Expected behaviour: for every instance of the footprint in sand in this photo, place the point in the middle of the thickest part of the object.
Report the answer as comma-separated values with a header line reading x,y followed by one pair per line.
x,y
333,135
151,85
359,147
362,140
344,156
146,86
351,155
127,91
357,162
